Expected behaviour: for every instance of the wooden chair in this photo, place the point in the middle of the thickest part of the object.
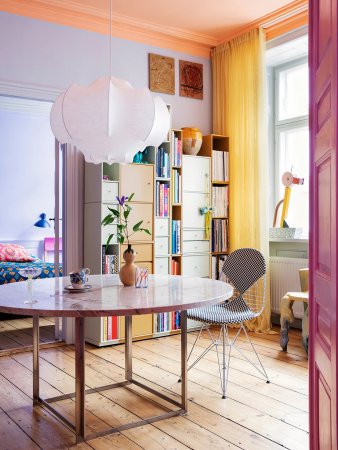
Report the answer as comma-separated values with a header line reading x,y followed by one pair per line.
x,y
286,313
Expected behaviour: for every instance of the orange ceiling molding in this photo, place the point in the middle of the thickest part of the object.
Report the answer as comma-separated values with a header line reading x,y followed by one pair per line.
x,y
73,14
281,21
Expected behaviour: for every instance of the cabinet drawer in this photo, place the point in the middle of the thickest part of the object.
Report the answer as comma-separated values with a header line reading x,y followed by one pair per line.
x,y
196,246
161,227
161,246
194,235
141,211
137,178
106,231
109,192
192,217
196,171
141,326
196,265
144,252
162,266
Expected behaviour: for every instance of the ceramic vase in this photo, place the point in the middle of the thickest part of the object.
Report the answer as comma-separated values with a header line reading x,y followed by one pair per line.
x,y
128,271
192,140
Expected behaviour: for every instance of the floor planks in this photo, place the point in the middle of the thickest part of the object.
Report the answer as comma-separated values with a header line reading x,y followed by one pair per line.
x,y
255,415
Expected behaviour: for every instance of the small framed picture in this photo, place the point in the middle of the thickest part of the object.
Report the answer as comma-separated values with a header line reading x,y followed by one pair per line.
x,y
191,80
161,74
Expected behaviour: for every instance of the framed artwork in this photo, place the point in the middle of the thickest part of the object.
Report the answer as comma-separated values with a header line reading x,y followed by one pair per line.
x,y
191,80
161,74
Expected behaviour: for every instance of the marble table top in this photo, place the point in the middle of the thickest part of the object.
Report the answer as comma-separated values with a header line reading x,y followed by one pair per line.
x,y
109,297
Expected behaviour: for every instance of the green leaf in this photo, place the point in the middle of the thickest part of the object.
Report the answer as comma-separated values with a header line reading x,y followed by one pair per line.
x,y
131,197
126,213
145,230
120,239
114,211
121,227
136,227
108,220
110,237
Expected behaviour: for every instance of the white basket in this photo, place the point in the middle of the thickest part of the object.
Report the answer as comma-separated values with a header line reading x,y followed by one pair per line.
x,y
285,233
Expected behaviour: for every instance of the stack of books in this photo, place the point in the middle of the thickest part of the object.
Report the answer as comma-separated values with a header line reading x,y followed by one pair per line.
x,y
175,320
219,235
176,237
220,165
110,263
216,267
176,186
220,201
176,151
175,267
110,328
162,199
162,163
162,322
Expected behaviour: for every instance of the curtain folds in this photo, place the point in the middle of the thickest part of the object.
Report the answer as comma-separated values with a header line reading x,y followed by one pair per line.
x,y
239,111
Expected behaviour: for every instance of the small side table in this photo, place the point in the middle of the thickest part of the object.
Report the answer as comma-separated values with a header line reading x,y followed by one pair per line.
x,y
287,317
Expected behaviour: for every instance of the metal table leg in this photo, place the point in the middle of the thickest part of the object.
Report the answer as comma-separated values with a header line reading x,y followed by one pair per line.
x,y
79,380
128,348
184,362
36,374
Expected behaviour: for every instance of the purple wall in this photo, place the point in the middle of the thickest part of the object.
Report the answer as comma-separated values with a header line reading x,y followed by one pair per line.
x,y
52,55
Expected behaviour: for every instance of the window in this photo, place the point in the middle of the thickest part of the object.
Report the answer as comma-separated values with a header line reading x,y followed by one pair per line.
x,y
290,136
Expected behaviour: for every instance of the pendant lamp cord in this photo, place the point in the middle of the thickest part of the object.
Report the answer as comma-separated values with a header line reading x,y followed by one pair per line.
x,y
110,38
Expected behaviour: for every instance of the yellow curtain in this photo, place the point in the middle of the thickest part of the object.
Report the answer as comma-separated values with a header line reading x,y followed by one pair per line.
x,y
239,112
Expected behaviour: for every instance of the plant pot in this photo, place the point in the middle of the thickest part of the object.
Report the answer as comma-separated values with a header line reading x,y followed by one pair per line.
x,y
128,271
192,140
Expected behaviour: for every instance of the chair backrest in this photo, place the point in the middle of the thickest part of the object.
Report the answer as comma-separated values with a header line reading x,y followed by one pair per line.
x,y
245,269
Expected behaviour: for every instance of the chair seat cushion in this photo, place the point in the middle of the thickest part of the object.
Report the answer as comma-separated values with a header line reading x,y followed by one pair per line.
x,y
233,311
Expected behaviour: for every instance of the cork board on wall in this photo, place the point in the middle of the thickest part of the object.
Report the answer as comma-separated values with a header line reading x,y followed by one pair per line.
x,y
191,80
161,74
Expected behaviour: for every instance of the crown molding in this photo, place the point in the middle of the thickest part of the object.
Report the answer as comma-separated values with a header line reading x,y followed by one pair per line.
x,y
28,90
93,19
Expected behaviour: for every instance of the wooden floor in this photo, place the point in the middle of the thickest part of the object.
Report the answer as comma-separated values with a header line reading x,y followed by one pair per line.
x,y
255,416
17,332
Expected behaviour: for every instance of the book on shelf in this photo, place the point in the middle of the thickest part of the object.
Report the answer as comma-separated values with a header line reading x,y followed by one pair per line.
x,y
176,237
162,199
216,267
176,186
162,163
110,263
220,165
175,320
175,267
220,201
110,328
176,150
219,235
162,322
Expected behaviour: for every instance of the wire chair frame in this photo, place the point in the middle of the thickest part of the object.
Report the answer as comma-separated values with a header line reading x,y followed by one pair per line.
x,y
245,270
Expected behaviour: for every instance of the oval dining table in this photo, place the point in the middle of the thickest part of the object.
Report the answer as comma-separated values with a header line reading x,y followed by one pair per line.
x,y
108,297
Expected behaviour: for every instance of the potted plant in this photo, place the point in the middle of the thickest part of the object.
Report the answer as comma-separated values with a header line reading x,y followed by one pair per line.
x,y
121,219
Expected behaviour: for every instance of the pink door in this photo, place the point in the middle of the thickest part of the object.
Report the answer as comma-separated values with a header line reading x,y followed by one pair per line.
x,y
323,225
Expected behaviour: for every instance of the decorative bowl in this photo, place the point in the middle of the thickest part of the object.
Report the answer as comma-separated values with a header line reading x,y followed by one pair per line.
x,y
192,140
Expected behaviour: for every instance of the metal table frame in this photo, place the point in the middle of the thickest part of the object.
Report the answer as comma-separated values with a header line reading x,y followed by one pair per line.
x,y
80,391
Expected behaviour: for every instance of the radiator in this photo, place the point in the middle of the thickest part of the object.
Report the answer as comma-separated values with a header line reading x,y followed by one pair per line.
x,y
284,277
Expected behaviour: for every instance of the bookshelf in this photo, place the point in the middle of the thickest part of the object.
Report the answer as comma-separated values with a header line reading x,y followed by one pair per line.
x,y
217,148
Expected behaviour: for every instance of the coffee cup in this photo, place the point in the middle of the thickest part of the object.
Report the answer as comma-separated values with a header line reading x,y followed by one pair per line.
x,y
79,278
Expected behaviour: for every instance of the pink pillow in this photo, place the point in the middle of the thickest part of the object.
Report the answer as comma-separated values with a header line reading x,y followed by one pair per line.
x,y
14,253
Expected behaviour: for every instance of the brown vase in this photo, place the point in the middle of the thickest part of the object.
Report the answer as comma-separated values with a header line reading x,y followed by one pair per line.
x,y
192,140
128,271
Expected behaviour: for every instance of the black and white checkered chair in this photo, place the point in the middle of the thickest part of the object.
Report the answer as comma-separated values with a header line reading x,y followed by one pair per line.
x,y
245,270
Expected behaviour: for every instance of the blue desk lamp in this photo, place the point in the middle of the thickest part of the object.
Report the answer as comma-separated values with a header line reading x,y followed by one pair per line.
x,y
42,222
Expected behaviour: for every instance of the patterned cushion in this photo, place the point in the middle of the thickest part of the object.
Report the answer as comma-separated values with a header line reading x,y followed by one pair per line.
x,y
14,253
234,311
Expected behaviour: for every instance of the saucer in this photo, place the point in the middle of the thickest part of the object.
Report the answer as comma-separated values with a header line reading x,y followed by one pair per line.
x,y
87,287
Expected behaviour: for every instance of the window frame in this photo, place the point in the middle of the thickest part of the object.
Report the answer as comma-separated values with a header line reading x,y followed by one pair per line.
x,y
284,124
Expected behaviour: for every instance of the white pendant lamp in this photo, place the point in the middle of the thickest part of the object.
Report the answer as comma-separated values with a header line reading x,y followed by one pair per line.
x,y
109,120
